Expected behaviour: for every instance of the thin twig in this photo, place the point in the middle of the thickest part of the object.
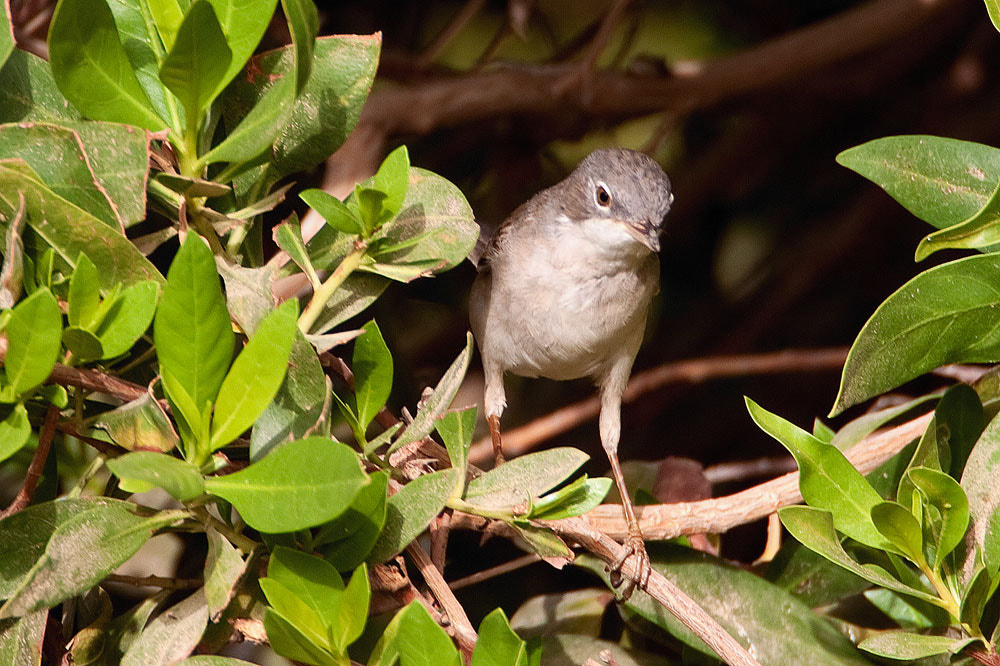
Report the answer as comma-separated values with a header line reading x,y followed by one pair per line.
x,y
493,572
444,38
465,635
521,440
45,437
742,470
155,581
668,595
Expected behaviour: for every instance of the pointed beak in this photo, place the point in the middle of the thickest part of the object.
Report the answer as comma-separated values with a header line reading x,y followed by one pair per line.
x,y
645,232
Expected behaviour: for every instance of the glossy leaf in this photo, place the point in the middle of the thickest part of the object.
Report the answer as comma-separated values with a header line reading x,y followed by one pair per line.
x,y
288,236
942,181
70,231
575,499
303,24
317,476
993,9
348,539
900,528
171,635
15,430
947,497
372,365
498,645
194,338
91,68
439,400
780,628
456,430
333,210
523,478
814,529
34,332
109,531
168,16
811,577
255,133
288,641
28,91
82,344
421,642
979,231
907,645
84,293
573,612
21,638
179,478
979,483
128,318
907,612
392,178
947,314
197,63
255,376
244,23
411,510
6,34
859,428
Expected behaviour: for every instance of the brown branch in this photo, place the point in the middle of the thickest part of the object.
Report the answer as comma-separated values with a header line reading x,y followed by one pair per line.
x,y
155,581
97,381
23,497
493,572
668,595
465,635
523,439
716,516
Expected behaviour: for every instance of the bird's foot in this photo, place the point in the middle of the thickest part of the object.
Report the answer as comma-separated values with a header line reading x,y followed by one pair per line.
x,y
634,547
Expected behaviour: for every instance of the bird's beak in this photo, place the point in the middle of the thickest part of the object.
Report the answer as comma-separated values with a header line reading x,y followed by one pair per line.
x,y
645,232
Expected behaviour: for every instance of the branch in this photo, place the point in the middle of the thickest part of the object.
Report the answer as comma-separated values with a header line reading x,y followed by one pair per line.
x,y
662,590
521,440
464,633
23,497
716,516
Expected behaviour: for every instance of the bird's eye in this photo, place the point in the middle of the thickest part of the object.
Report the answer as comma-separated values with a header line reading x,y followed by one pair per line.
x,y
602,196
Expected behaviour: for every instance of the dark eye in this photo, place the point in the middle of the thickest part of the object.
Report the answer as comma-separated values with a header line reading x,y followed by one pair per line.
x,y
602,196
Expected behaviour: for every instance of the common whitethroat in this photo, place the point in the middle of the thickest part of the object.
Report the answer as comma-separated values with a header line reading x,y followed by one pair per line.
x,y
562,292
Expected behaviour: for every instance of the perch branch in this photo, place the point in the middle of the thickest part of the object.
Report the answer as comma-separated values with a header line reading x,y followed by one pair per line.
x,y
23,497
464,633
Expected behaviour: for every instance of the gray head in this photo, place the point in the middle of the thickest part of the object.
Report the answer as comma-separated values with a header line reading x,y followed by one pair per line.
x,y
626,186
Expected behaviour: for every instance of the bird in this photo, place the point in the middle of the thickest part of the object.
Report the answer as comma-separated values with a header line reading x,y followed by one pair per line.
x,y
562,291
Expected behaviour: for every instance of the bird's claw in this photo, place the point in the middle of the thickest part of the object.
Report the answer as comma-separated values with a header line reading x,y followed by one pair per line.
x,y
634,547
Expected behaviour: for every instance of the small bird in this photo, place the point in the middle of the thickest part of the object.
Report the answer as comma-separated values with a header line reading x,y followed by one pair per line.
x,y
562,292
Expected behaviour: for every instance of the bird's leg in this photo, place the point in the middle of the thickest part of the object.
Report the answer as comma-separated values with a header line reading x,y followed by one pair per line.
x,y
494,422
610,424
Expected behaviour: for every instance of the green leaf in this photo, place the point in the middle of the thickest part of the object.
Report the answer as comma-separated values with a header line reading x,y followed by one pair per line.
x,y
168,16
255,133
179,478
575,499
977,594
778,627
198,61
393,179
327,108
28,91
92,69
84,345
346,541
811,577
372,365
311,582
993,9
946,314
573,612
255,376
979,231
244,23
84,293
301,406
421,642
333,210
979,483
523,478
108,531
439,400
6,34
34,332
456,430
15,430
543,541
907,645
223,569
908,613
128,318
171,635
70,231
289,642
901,529
369,204
288,236
303,24
192,332
317,476
498,645
941,181
56,153
140,423
411,510
856,430
213,660
947,497
814,529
